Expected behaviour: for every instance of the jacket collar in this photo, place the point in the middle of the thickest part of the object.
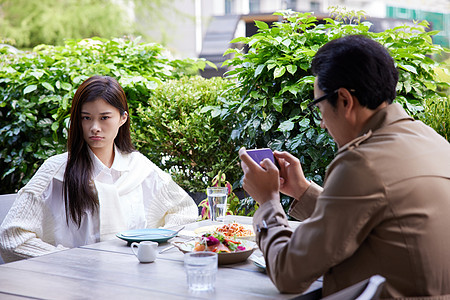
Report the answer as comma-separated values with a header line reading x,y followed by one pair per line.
x,y
389,115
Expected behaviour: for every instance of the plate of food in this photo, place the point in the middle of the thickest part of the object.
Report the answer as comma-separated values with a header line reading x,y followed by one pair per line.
x,y
229,250
231,230
159,235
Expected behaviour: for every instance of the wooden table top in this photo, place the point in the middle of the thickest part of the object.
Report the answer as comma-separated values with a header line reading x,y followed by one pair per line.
x,y
109,270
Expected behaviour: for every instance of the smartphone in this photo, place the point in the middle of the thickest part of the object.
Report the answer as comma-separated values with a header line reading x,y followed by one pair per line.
x,y
259,155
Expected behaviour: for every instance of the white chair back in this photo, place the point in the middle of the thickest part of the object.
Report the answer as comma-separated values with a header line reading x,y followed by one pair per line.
x,y
6,201
369,289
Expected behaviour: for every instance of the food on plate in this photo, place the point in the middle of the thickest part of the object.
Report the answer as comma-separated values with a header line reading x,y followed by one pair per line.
x,y
219,243
234,230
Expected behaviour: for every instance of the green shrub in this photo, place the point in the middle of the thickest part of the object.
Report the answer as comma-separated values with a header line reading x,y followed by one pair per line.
x,y
36,89
276,82
437,115
31,23
177,132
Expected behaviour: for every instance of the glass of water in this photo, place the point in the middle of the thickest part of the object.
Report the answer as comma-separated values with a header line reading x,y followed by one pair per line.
x,y
217,199
201,269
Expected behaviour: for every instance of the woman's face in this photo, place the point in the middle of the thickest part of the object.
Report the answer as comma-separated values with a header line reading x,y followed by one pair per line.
x,y
100,122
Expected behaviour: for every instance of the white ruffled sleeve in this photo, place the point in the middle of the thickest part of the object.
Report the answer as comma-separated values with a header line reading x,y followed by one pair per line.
x,y
166,203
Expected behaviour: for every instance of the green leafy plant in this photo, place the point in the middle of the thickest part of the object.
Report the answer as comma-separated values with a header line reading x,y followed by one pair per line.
x,y
437,115
276,84
30,23
36,89
176,130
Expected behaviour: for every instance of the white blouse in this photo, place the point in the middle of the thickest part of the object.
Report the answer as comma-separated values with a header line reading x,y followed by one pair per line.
x,y
133,193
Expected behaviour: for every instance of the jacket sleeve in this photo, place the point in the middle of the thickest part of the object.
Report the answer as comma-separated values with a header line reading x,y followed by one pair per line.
x,y
303,208
343,216
21,230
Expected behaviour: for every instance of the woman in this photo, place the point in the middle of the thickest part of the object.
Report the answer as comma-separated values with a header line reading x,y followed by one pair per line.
x,y
100,187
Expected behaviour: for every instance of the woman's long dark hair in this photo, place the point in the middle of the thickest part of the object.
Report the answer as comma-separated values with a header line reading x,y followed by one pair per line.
x,y
79,191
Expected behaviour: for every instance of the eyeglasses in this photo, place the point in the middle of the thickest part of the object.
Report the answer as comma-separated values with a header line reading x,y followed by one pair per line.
x,y
315,110
313,107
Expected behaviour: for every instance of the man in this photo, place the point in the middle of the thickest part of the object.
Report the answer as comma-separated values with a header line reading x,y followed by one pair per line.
x,y
385,205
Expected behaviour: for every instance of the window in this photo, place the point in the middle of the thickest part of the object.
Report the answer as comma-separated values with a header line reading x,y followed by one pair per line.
x,y
254,6
228,7
290,4
315,6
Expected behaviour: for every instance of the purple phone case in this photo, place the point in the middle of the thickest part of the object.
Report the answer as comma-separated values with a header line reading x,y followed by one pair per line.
x,y
258,155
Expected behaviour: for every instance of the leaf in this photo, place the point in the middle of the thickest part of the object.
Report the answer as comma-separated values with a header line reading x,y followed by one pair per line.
x,y
29,89
37,74
310,132
259,69
215,112
286,42
55,126
48,86
79,79
430,85
292,69
304,123
235,134
409,68
295,142
206,109
278,104
407,86
261,25
286,126
66,86
279,71
271,66
321,138
268,123
239,39
151,85
230,50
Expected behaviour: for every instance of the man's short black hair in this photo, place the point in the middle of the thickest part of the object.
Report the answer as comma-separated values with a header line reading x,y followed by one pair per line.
x,y
359,63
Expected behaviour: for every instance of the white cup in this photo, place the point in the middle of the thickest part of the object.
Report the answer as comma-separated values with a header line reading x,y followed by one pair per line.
x,y
146,251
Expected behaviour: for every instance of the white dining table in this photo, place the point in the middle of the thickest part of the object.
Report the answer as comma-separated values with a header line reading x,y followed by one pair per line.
x,y
109,270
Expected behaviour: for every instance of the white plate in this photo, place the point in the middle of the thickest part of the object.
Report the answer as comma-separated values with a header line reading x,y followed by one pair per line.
x,y
211,228
159,235
223,258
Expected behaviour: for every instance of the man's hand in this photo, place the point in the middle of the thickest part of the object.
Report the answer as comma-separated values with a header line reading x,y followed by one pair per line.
x,y
292,180
260,181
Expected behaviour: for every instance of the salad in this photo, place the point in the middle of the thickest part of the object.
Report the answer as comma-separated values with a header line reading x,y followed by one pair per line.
x,y
217,242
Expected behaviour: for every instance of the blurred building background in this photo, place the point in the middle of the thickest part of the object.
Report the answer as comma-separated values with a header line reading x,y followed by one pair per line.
x,y
203,28
190,28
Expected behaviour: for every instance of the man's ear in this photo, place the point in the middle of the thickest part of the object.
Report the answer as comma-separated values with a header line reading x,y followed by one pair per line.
x,y
347,102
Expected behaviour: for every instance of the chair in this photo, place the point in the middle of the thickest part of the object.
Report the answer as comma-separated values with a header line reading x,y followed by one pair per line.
x,y
6,202
368,289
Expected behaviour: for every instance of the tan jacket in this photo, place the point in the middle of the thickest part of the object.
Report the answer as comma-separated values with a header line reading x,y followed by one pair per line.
x,y
384,209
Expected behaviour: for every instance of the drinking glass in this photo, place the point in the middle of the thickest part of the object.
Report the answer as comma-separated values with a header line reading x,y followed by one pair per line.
x,y
217,199
201,269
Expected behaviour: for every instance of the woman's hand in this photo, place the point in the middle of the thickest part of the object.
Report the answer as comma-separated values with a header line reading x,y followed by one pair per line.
x,y
260,181
292,180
